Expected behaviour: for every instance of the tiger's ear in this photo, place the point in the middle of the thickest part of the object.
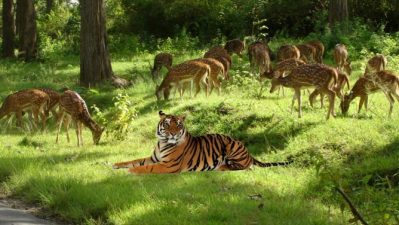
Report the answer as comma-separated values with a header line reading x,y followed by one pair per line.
x,y
182,117
162,114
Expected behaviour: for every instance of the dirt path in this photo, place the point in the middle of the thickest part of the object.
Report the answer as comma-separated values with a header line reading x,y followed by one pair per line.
x,y
13,213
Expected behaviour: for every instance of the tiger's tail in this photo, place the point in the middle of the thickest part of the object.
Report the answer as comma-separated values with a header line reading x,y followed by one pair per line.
x,y
270,164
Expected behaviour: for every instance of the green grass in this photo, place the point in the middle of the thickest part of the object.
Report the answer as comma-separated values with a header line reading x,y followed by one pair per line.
x,y
357,152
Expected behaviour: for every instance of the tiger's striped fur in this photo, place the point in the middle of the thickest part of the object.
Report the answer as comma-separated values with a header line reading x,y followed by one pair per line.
x,y
178,151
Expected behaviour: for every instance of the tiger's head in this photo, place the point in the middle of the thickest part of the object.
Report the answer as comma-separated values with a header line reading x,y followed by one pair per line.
x,y
171,128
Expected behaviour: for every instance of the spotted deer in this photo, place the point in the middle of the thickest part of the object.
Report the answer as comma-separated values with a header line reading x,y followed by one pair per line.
x,y
183,74
375,64
319,47
73,107
343,80
307,53
234,46
33,100
341,59
384,81
217,69
258,54
161,59
282,68
220,54
319,76
288,52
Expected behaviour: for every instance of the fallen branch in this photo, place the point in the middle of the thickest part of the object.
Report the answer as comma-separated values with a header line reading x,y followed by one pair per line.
x,y
355,213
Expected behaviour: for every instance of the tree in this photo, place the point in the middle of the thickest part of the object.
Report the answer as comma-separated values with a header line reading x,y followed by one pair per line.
x,y
26,29
95,63
338,11
8,28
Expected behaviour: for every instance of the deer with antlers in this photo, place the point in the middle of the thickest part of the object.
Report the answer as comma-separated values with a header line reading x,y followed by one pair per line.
x,y
73,107
32,100
319,76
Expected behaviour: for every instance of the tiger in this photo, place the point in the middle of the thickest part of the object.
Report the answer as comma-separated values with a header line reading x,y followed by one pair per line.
x,y
178,151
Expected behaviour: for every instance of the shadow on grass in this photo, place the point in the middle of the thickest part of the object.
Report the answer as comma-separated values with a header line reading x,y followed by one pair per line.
x,y
196,198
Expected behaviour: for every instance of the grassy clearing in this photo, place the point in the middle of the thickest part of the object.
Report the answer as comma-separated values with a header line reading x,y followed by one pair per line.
x,y
358,152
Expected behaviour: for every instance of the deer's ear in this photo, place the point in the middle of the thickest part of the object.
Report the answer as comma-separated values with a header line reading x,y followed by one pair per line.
x,y
162,114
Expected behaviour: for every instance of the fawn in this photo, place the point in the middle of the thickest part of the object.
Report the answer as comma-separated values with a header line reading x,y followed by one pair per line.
x,y
383,80
181,74
319,47
258,54
161,59
74,108
234,46
320,76
375,64
32,99
288,52
341,59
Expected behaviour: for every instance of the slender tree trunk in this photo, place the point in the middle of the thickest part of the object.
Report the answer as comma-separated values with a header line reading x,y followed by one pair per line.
x,y
95,63
26,29
8,29
338,11
49,5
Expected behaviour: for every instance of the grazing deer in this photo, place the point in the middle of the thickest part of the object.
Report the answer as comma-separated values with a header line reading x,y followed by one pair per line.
x,y
258,54
288,52
384,80
161,59
320,76
318,45
31,99
343,80
375,64
234,46
182,74
74,107
341,59
307,53
217,69
220,54
282,69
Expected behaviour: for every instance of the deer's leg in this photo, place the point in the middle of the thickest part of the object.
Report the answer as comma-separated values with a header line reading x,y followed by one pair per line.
x,y
331,98
361,102
80,133
18,115
35,112
312,96
77,130
298,96
293,101
391,102
59,122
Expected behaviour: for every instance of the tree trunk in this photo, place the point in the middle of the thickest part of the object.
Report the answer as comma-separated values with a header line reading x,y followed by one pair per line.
x,y
95,63
49,5
338,11
26,29
8,28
